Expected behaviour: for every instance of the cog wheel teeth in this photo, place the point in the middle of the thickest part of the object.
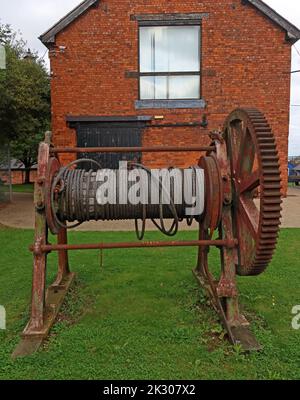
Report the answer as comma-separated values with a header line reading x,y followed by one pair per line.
x,y
266,141
272,177
270,191
272,209
272,201
270,217
268,147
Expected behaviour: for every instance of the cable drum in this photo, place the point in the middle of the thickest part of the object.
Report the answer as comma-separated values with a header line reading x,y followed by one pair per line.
x,y
81,191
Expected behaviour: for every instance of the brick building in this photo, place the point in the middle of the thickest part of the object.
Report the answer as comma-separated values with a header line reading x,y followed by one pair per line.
x,y
166,72
16,172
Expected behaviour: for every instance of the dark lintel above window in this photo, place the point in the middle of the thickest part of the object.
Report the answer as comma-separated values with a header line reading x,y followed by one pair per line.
x,y
169,19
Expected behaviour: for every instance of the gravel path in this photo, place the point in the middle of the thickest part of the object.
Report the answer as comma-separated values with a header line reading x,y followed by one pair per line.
x,y
20,214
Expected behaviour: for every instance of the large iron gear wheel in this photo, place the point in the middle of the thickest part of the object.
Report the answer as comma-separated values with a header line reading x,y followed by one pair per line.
x,y
255,171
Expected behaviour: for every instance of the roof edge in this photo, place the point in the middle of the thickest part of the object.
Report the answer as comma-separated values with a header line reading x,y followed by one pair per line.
x,y
48,37
293,33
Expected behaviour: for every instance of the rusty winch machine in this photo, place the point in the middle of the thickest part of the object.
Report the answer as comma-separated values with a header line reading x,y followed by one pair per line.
x,y
240,212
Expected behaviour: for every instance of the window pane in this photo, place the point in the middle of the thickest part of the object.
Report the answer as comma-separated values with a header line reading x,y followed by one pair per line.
x,y
170,49
146,50
173,87
153,87
184,87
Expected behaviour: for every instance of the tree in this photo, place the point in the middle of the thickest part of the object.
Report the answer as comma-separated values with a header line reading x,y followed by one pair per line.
x,y
24,99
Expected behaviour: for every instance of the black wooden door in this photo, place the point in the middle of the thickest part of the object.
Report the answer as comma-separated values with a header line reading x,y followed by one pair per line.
x,y
110,134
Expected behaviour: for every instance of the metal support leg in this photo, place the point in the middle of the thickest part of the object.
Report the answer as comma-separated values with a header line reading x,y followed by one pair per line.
x,y
45,304
227,291
32,336
39,276
227,288
63,259
201,273
224,294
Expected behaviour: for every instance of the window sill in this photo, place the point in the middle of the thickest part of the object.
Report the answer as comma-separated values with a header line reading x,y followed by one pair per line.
x,y
147,104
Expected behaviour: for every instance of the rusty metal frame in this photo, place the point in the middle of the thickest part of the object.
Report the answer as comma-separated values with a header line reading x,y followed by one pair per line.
x,y
45,304
48,248
223,293
223,193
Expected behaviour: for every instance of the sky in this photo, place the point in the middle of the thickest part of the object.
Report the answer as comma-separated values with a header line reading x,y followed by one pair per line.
x,y
33,17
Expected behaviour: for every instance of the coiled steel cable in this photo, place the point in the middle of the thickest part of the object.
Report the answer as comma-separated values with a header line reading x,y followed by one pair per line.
x,y
68,177
78,199
174,228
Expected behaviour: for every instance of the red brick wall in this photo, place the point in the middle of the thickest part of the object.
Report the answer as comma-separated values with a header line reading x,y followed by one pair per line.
x,y
245,58
17,177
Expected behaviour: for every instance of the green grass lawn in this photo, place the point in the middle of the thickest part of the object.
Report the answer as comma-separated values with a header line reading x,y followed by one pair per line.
x,y
142,316
24,188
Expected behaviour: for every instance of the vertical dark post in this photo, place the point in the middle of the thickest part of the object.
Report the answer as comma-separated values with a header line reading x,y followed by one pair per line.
x,y
9,174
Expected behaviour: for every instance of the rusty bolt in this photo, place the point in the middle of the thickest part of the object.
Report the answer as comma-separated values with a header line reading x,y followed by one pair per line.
x,y
40,181
37,248
227,199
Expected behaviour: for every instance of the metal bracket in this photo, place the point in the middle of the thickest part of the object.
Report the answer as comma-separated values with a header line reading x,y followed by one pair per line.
x,y
32,340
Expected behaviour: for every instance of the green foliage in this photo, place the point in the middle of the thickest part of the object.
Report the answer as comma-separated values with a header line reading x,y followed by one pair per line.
x,y
24,100
12,39
142,316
